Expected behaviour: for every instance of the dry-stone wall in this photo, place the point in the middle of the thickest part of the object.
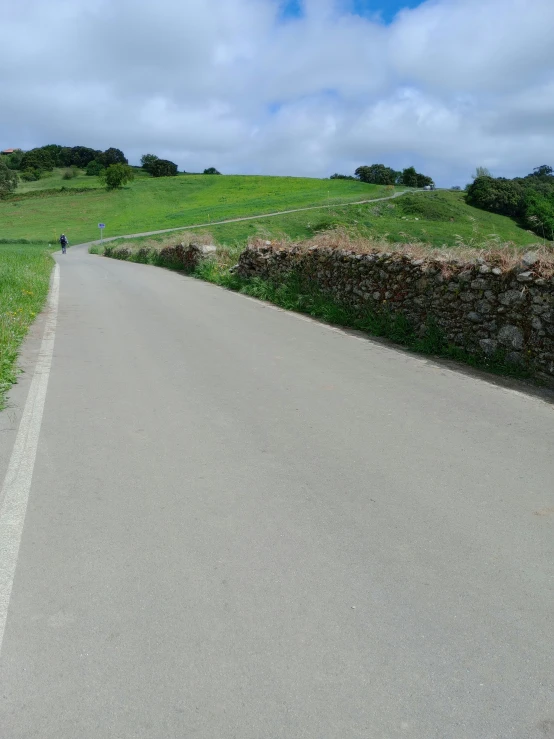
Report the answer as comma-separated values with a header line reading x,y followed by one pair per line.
x,y
479,306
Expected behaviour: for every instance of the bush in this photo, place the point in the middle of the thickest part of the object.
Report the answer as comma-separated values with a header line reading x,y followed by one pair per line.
x,y
211,170
70,173
530,199
163,168
8,180
337,176
147,161
496,195
94,168
111,156
31,175
376,174
117,175
37,159
13,160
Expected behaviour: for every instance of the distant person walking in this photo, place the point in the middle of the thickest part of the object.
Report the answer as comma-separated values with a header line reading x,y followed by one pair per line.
x,y
63,242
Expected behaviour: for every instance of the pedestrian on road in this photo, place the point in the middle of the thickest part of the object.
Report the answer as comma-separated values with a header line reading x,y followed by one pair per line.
x,y
63,242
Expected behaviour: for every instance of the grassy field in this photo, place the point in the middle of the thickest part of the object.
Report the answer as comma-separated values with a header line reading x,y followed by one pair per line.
x,y
149,204
440,218
24,278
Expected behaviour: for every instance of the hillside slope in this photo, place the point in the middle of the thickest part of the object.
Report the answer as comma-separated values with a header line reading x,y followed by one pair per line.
x,y
151,204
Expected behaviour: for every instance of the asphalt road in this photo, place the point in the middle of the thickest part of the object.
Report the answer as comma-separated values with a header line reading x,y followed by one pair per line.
x,y
246,525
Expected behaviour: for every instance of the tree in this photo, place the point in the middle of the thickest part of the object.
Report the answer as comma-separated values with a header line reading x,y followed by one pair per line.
x,y
337,176
117,175
481,172
13,160
409,177
211,170
147,160
163,168
94,168
80,156
112,156
377,174
543,171
8,180
424,181
496,195
38,158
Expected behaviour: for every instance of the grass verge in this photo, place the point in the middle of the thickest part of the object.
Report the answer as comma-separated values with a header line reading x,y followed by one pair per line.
x,y
24,280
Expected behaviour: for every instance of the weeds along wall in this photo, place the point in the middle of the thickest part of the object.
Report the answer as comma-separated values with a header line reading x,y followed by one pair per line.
x,y
480,306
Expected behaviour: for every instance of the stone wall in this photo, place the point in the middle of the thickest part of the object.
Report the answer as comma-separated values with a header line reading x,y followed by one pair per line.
x,y
479,306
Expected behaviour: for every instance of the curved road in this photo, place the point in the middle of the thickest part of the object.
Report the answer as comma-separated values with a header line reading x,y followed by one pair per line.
x,y
242,524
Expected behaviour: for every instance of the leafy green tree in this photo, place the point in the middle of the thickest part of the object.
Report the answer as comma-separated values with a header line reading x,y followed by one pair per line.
x,y
539,214
409,177
424,180
37,159
80,156
147,160
543,171
13,160
94,168
111,156
211,170
377,174
117,175
163,168
496,195
481,172
8,180
337,176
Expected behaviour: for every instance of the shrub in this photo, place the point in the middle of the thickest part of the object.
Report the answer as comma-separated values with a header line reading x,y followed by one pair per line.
x,y
147,160
117,175
163,168
377,174
111,156
496,195
37,159
94,168
13,160
8,180
31,175
211,170
337,176
70,173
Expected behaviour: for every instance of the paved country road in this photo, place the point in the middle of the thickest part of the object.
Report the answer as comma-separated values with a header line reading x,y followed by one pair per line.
x,y
245,525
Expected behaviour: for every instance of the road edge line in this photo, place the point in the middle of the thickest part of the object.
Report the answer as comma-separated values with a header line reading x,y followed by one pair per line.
x,y
17,482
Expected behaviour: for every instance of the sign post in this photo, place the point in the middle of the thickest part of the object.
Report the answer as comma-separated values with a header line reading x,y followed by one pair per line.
x,y
101,226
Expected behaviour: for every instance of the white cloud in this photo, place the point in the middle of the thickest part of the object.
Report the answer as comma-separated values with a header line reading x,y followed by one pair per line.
x,y
229,83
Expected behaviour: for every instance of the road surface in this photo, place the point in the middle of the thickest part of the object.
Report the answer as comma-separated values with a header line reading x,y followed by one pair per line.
x,y
243,524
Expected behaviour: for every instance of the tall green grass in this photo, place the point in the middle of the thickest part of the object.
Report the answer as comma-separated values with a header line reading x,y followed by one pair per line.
x,y
151,204
437,219
24,279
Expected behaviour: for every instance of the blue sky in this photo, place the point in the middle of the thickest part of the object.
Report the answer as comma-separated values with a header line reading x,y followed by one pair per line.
x,y
385,9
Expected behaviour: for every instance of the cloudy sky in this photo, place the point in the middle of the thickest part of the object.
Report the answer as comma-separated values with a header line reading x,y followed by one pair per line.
x,y
300,87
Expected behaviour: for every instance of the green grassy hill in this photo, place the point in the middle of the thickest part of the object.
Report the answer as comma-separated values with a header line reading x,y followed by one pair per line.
x,y
149,204
440,218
